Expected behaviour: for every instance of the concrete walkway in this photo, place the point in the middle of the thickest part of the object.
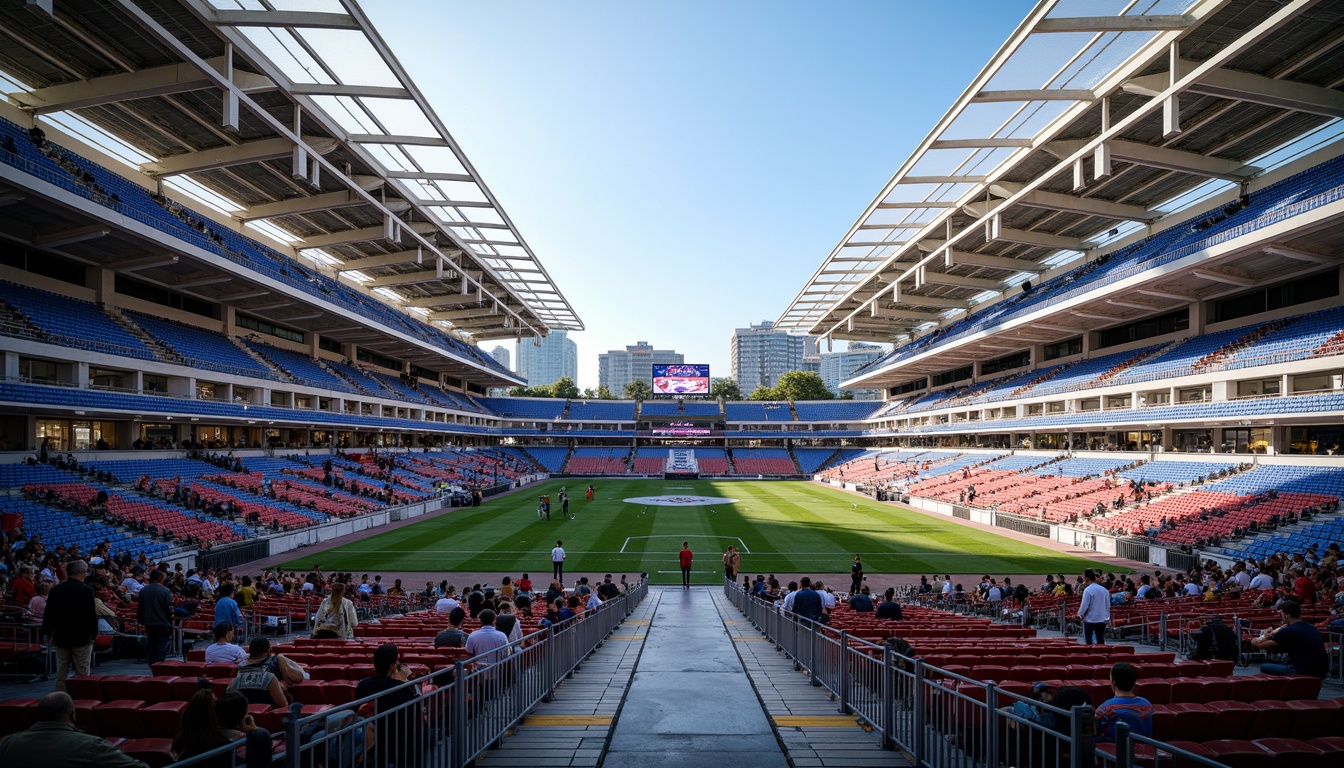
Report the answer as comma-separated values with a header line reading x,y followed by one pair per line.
x,y
690,702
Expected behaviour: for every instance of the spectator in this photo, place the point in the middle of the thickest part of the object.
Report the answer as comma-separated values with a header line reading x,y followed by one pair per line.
x,y
235,722
608,589
889,608
335,617
1300,641
855,575
200,732
1124,706
223,650
861,602
507,622
154,611
54,741
487,640
71,622
558,562
453,636
226,608
1216,640
684,559
1094,610
448,603
396,736
806,602
255,680
38,605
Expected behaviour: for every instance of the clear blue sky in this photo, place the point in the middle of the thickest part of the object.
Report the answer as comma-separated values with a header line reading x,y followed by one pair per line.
x,y
682,167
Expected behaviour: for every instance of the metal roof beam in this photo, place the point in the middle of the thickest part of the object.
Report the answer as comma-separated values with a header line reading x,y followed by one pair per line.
x,y
299,205
236,154
1296,254
353,91
464,314
1090,206
1034,94
901,312
1140,23
384,260
454,203
943,179
1162,157
994,262
933,301
981,283
296,19
422,276
429,176
980,144
70,236
475,225
1038,239
1226,275
128,86
1245,86
364,235
409,141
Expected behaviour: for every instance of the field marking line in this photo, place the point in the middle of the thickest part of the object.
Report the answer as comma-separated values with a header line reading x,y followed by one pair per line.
x,y
741,544
478,552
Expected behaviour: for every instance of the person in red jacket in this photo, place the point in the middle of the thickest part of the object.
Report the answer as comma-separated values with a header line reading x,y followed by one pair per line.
x,y
686,558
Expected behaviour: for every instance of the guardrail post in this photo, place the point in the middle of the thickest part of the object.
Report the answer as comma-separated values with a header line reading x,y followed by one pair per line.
x,y
842,685
812,653
888,700
1124,746
992,723
1162,630
917,737
1082,737
292,740
1063,620
550,664
457,738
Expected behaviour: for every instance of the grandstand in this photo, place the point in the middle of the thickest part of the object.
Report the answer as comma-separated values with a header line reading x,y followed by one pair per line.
x,y
1115,315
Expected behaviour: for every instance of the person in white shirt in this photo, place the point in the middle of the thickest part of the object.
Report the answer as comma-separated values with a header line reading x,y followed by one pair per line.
x,y
1192,588
1262,580
947,587
594,602
487,640
223,651
1095,610
1242,578
448,602
788,598
132,584
558,562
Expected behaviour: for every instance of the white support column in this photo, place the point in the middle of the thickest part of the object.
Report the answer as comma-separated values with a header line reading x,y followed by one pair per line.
x,y
11,365
82,375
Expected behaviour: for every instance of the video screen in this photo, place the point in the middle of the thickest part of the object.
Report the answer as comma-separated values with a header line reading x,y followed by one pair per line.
x,y
681,379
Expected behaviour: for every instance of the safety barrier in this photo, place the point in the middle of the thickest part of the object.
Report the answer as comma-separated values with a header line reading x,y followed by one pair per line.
x,y
942,719
445,719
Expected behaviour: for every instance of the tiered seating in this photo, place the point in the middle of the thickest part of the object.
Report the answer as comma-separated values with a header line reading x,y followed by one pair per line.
x,y
745,411
300,367
835,410
598,461
539,409
1320,535
1177,473
55,525
362,379
701,408
811,460
551,459
650,461
402,390
712,461
73,323
202,349
601,410
301,494
763,461
151,515
660,408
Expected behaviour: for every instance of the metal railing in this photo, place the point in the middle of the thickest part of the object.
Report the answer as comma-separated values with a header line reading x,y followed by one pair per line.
x,y
445,719
942,719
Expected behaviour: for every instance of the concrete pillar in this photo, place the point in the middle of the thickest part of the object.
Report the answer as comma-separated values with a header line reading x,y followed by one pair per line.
x,y
11,365
314,348
228,321
104,285
138,381
1199,317
184,386
82,375
1134,400
1284,381
1087,344
350,352
1220,391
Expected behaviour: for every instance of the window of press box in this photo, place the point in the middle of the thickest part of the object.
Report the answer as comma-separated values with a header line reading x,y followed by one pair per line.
x,y
1065,348
270,329
1322,285
1148,328
330,345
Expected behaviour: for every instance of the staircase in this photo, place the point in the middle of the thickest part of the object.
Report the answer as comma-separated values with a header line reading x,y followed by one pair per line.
x,y
793,414
264,360
1212,359
1048,375
13,323
164,352
728,458
1332,346
1133,361
565,415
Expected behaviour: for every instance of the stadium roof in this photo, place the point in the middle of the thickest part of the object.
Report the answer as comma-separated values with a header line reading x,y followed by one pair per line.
x,y
1093,122
296,118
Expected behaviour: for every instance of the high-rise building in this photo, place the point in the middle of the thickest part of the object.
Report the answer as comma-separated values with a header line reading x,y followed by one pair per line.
x,y
547,361
838,366
501,355
761,354
619,367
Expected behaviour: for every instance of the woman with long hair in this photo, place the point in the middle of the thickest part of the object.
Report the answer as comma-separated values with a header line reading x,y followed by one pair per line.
x,y
335,617
200,727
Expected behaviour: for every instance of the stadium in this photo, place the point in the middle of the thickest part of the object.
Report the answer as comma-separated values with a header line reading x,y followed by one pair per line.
x,y
245,273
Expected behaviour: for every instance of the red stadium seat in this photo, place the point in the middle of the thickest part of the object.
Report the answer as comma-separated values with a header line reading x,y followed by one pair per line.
x,y
1237,753
1313,718
85,687
1301,687
120,718
1273,719
338,692
16,715
1329,745
1231,719
163,719
310,692
123,687
1191,721
156,688
1291,753
157,753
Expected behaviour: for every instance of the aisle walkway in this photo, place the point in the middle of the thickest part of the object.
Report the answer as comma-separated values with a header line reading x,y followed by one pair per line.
x,y
690,702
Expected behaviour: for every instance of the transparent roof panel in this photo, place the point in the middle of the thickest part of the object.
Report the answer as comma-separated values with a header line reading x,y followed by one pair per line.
x,y
350,56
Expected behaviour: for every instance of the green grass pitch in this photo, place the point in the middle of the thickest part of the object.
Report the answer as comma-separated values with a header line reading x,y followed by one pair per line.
x,y
781,527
